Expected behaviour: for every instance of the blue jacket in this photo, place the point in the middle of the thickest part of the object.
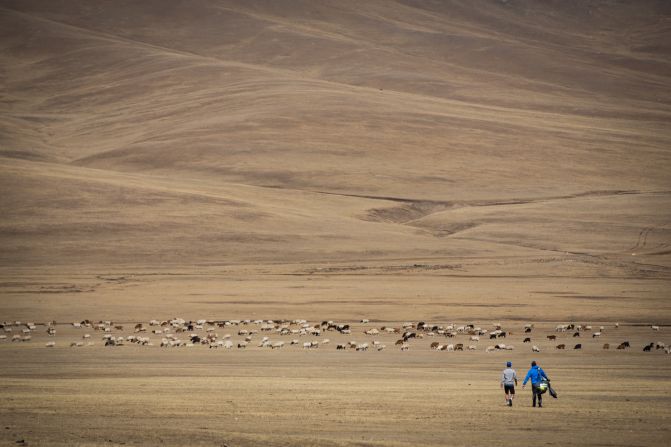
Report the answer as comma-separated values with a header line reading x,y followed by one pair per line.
x,y
536,374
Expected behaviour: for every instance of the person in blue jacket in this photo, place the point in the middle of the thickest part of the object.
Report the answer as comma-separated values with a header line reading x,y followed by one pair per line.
x,y
536,374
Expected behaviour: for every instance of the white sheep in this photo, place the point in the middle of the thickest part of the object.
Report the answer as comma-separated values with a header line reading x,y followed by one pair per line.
x,y
655,328
535,349
472,348
474,338
50,344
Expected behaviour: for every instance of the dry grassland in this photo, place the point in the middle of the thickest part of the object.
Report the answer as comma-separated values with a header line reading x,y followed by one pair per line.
x,y
453,161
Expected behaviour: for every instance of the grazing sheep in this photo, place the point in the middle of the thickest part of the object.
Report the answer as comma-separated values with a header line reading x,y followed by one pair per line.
x,y
242,345
509,347
405,347
648,348
277,345
660,345
617,325
435,345
474,338
449,347
552,337
576,334
362,347
596,334
3,337
655,328
459,347
341,347
16,337
535,349
562,346
527,340
578,346
490,349
623,345
606,346
50,344
381,347
372,331
472,348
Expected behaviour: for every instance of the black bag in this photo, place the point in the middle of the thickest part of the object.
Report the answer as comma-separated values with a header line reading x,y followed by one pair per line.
x,y
552,392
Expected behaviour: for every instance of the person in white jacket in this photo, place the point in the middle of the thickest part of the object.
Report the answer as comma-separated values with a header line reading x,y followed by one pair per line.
x,y
508,382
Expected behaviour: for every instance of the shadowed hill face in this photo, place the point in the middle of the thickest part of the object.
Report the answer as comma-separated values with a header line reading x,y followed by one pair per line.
x,y
112,110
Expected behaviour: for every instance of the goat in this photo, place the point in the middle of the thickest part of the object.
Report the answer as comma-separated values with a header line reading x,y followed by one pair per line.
x,y
578,346
552,337
562,346
527,340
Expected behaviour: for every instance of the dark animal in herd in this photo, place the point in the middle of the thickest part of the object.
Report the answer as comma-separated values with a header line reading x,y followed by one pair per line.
x,y
527,340
552,337
562,346
578,346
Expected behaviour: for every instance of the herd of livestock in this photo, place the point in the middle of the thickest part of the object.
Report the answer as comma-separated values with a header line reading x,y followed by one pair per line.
x,y
275,334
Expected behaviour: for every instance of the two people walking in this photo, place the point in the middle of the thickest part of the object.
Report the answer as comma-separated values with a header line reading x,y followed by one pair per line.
x,y
539,383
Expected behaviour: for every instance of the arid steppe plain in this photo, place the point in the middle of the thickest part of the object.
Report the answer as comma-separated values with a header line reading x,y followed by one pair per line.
x,y
399,161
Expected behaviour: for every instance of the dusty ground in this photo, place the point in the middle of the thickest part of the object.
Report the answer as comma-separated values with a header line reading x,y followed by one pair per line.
x,y
174,396
400,161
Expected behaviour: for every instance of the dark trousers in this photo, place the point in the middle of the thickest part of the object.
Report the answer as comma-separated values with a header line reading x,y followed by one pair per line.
x,y
537,394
